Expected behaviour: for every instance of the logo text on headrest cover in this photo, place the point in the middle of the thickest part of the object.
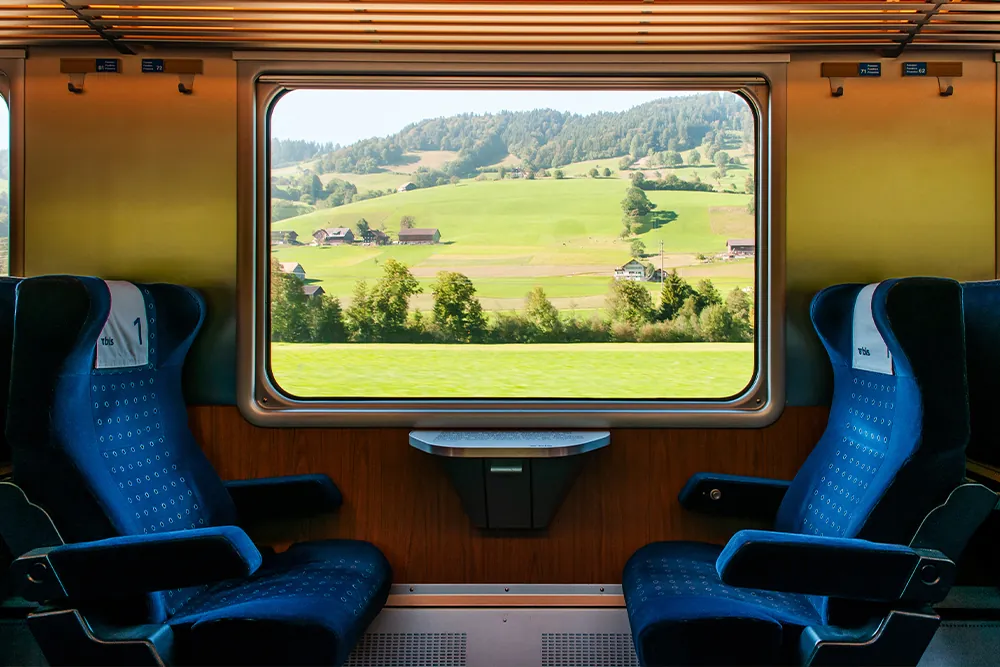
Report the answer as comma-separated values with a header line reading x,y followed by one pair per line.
x,y
122,343
870,351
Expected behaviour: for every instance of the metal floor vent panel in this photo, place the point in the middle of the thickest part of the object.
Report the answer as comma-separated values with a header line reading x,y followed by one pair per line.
x,y
497,637
576,649
410,649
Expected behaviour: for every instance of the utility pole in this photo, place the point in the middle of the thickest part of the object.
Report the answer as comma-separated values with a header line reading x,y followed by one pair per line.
x,y
661,261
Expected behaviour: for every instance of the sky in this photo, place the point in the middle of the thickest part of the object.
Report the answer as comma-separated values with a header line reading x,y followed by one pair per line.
x,y
4,125
345,116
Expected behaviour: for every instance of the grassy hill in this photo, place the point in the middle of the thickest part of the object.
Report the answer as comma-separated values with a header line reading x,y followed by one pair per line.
x,y
509,236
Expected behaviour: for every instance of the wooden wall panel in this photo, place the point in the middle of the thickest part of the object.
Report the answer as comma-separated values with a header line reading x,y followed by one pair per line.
x,y
401,500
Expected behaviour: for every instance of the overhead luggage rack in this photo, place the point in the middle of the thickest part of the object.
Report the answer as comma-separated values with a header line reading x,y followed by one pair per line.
x,y
550,25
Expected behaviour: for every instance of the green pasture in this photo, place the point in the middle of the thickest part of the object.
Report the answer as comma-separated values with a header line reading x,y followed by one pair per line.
x,y
574,370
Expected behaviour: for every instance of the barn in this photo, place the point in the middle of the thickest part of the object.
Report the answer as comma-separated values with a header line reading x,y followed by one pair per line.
x,y
426,235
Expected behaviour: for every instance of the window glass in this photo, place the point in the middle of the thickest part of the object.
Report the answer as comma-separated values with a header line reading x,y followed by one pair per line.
x,y
4,188
578,244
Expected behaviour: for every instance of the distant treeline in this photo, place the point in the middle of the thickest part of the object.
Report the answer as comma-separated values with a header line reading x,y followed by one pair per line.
x,y
380,313
545,138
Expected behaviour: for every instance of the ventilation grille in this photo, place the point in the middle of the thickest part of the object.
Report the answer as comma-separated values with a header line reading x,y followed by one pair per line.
x,y
410,649
574,649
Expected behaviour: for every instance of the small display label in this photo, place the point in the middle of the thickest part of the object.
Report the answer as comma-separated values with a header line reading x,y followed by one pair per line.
x,y
152,64
107,65
914,69
869,69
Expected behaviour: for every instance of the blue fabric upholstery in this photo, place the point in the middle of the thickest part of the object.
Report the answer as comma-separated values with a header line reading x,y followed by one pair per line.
x,y
118,442
893,449
818,565
982,336
7,291
284,497
155,562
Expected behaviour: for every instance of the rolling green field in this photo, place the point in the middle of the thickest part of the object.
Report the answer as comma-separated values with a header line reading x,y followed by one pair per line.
x,y
582,370
509,236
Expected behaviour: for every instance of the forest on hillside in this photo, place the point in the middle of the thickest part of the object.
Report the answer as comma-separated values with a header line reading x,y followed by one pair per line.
x,y
541,138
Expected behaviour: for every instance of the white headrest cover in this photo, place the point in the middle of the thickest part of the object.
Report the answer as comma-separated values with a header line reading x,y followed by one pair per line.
x,y
123,343
870,351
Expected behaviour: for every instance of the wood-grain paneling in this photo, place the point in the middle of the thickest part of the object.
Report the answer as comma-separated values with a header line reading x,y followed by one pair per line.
x,y
400,499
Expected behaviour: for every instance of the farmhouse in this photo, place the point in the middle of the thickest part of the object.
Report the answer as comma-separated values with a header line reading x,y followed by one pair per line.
x,y
375,237
419,236
741,247
293,268
633,270
284,237
312,290
333,236
406,186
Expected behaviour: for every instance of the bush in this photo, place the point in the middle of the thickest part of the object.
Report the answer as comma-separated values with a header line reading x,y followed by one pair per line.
x,y
623,332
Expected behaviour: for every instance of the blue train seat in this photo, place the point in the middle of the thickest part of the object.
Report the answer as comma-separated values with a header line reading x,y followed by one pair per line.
x,y
865,537
152,554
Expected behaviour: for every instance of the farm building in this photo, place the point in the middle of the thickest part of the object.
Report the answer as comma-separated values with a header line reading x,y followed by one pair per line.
x,y
741,247
375,237
633,270
284,237
419,235
333,236
312,290
293,268
406,187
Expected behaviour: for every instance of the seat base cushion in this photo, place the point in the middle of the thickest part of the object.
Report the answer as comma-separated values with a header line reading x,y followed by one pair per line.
x,y
307,605
682,614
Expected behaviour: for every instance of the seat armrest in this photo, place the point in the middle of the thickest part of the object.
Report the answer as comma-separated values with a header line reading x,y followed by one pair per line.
x,y
835,566
734,495
288,497
121,566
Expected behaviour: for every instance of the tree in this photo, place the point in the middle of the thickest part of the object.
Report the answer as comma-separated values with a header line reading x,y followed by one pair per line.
x,y
606,173
455,180
629,302
752,207
717,324
749,186
407,222
694,159
721,160
638,248
558,174
672,159
625,162
457,311
636,201
674,292
360,320
325,320
706,295
502,172
540,312
638,178
390,299
739,306
363,227
593,173
288,301
717,177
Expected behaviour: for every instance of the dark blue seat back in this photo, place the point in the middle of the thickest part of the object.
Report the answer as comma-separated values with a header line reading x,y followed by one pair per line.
x,y
7,291
894,446
982,336
107,452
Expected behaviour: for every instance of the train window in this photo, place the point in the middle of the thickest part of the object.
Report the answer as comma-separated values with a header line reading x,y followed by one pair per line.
x,y
11,159
431,247
4,188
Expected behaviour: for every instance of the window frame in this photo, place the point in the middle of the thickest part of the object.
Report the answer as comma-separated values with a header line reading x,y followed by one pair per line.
x,y
264,76
12,90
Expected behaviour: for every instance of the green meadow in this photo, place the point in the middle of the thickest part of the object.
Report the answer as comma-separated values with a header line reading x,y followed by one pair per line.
x,y
509,236
582,370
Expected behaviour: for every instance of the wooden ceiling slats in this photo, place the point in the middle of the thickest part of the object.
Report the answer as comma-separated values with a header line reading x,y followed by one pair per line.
x,y
665,25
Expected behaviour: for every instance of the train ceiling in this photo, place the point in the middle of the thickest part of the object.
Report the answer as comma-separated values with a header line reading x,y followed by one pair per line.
x,y
712,26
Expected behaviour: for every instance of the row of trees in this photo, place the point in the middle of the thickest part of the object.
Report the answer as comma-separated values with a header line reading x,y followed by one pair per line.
x,y
380,313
